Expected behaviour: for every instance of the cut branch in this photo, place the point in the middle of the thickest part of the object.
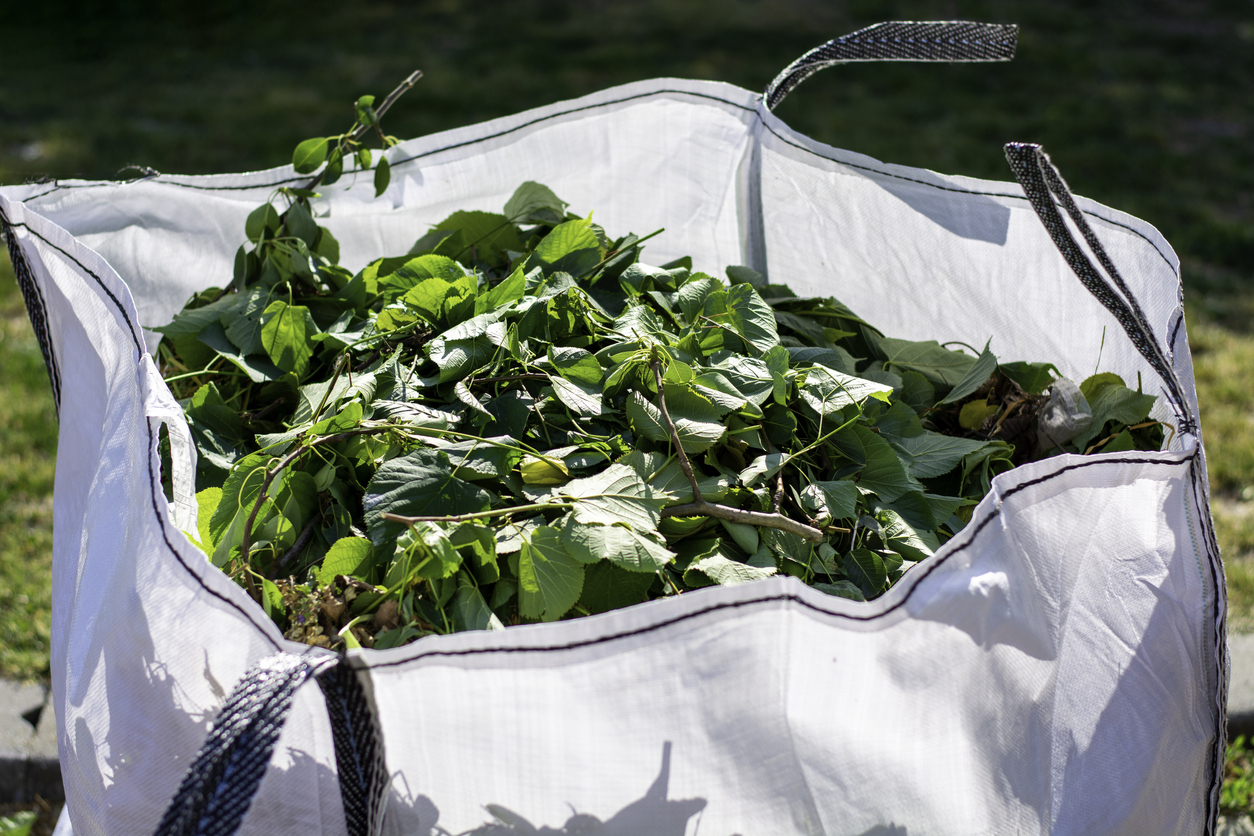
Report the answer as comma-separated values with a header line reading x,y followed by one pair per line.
x,y
701,507
478,515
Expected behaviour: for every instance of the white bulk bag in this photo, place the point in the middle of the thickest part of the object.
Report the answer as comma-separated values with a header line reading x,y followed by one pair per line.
x,y
1058,667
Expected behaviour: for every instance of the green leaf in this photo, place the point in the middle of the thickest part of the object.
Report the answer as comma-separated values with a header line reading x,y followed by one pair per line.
x,y
975,377
549,579
1092,386
243,321
608,587
838,499
299,223
534,202
580,398
382,176
419,484
883,471
469,610
841,589
737,274
618,544
259,369
484,235
899,421
942,368
459,358
616,495
1033,378
693,294
973,414
285,334
19,824
511,289
424,551
571,247
260,219
933,454
721,569
866,569
309,155
347,556
698,429
239,493
575,364
1116,403
206,505
900,536
216,428
828,392
365,111
916,391
664,474
836,358
750,317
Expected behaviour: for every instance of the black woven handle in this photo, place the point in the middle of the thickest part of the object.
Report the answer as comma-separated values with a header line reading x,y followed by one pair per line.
x,y
1043,185
224,776
901,41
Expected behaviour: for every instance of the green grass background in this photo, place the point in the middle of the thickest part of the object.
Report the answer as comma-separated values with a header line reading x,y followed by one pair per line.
x,y
1144,106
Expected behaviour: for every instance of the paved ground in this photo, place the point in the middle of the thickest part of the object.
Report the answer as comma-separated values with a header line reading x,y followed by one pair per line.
x,y
28,744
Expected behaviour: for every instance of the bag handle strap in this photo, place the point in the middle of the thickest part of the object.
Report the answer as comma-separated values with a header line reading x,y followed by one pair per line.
x,y
900,41
223,778
1046,191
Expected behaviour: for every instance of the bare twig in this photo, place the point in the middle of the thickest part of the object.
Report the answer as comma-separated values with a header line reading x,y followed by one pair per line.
x,y
246,540
701,507
305,534
478,515
684,464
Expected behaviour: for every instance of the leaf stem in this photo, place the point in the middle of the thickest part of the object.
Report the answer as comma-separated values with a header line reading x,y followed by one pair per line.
x,y
478,515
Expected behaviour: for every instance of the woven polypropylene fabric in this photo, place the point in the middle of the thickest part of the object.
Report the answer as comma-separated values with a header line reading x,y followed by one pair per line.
x,y
904,41
1056,668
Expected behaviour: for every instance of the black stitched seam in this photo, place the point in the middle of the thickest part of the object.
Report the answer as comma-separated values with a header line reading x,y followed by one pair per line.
x,y
434,151
50,358
620,101
122,310
1175,332
916,577
154,485
1216,633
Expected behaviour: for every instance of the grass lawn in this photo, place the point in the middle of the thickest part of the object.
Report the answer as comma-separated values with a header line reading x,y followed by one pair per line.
x,y
1140,106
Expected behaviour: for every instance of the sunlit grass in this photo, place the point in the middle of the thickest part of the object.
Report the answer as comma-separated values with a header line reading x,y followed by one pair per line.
x,y
28,444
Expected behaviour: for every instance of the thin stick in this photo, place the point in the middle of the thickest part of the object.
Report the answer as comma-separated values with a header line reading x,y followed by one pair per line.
x,y
701,507
478,515
246,541
684,464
